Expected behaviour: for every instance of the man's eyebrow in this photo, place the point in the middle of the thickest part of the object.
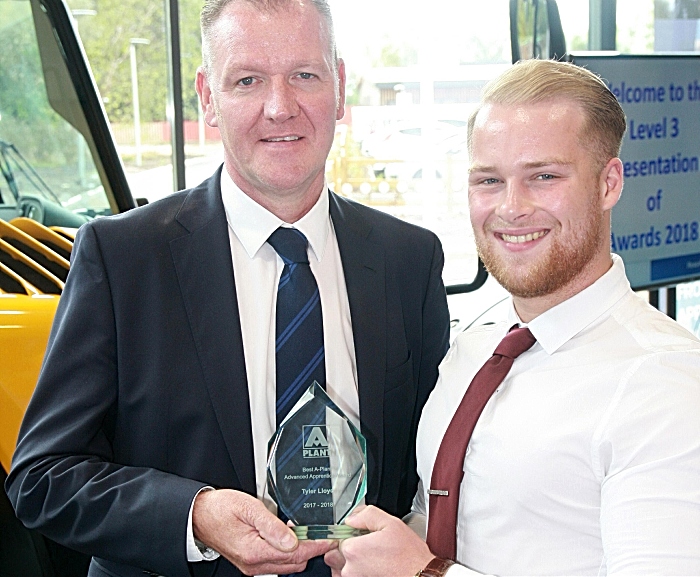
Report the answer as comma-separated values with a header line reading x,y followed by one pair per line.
x,y
548,162
527,165
481,168
244,68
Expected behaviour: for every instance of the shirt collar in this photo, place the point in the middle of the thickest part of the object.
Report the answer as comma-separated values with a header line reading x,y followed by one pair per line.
x,y
253,224
561,323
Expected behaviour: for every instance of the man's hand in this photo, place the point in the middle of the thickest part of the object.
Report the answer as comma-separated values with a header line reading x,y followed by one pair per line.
x,y
391,550
241,529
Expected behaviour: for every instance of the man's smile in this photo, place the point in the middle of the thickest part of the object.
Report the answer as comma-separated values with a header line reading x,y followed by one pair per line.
x,y
520,238
281,139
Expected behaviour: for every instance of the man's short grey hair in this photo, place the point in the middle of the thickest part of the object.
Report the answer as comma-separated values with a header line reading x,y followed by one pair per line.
x,y
213,8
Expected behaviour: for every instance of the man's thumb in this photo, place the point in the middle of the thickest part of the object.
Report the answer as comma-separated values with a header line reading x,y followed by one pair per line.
x,y
275,532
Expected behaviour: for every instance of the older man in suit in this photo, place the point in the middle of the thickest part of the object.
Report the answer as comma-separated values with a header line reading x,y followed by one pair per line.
x,y
146,440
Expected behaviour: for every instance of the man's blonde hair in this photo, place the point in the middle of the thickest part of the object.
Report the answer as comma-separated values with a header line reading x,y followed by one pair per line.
x,y
535,81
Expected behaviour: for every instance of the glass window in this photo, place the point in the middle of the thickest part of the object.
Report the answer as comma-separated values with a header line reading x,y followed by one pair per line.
x,y
126,45
414,77
47,171
574,22
635,26
688,306
676,25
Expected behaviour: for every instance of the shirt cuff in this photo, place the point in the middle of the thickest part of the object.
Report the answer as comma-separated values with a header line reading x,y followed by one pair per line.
x,y
417,522
196,550
461,571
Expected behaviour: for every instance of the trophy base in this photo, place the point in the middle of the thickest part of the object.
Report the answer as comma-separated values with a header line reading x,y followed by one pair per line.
x,y
313,532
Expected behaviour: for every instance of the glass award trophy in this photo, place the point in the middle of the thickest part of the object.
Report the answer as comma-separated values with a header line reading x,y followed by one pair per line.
x,y
317,467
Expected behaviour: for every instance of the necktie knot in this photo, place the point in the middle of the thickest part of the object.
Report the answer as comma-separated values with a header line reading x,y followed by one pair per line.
x,y
516,342
290,244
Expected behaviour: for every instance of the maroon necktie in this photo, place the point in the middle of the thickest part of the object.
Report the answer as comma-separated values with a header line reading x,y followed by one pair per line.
x,y
448,469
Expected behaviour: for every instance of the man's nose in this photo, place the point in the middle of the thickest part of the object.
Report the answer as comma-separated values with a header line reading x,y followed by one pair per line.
x,y
281,102
514,203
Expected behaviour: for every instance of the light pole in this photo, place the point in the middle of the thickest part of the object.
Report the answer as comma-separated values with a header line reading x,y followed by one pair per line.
x,y
135,96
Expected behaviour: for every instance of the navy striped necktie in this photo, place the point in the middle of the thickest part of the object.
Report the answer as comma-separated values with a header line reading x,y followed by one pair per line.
x,y
300,356
299,350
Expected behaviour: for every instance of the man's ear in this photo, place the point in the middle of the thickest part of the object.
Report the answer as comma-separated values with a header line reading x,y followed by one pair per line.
x,y
610,183
201,85
340,111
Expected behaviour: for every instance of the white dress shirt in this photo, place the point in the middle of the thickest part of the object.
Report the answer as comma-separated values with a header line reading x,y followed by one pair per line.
x,y
257,269
586,460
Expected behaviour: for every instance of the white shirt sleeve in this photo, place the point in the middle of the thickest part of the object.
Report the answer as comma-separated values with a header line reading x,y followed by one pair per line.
x,y
197,551
417,522
650,494
460,571
417,519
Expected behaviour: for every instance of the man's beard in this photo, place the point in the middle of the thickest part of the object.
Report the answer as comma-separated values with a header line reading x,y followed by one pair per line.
x,y
563,262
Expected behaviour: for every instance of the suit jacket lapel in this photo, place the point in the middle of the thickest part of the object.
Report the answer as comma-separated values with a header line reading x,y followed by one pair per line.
x,y
364,269
204,268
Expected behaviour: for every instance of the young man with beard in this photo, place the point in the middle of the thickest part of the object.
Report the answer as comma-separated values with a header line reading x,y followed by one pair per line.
x,y
585,459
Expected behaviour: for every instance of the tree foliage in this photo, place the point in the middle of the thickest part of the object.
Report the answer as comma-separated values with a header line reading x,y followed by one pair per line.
x,y
107,37
392,55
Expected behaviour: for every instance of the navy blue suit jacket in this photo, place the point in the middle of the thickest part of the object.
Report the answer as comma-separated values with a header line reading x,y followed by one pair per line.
x,y
143,396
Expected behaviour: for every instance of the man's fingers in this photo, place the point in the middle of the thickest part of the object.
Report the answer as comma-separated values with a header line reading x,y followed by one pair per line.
x,y
271,561
370,518
313,548
267,560
273,530
272,569
290,562
335,560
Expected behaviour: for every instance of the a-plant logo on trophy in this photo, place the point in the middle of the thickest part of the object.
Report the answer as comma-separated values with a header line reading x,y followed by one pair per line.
x,y
315,441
